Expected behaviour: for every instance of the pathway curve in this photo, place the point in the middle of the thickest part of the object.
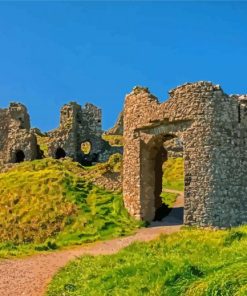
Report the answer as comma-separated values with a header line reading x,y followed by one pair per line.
x,y
30,276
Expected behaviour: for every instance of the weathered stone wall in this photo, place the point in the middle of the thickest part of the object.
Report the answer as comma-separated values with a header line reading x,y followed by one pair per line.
x,y
174,146
212,128
107,151
78,125
118,127
15,134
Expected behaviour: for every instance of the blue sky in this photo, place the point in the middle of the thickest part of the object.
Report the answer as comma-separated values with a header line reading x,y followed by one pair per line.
x,y
55,52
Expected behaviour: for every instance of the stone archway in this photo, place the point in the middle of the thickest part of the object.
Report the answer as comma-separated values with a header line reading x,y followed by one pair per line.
x,y
207,121
19,156
153,154
60,153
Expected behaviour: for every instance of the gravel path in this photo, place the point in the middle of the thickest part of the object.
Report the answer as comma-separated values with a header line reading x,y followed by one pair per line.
x,y
30,276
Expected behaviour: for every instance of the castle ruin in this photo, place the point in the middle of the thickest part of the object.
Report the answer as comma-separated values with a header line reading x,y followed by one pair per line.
x,y
212,127
18,142
198,120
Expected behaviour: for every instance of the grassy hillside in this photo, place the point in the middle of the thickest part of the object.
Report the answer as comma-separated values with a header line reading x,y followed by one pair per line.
x,y
49,203
189,263
173,177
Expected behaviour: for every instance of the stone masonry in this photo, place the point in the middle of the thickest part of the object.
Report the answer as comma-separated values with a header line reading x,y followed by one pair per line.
x,y
198,121
17,141
77,125
174,146
212,128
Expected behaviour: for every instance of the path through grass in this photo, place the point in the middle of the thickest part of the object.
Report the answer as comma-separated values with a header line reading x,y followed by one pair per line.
x,y
189,263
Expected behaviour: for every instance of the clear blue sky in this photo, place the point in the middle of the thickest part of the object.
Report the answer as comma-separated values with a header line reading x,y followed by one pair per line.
x,y
55,52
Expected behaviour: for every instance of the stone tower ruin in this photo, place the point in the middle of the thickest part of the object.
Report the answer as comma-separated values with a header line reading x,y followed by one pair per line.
x,y
17,141
213,129
78,124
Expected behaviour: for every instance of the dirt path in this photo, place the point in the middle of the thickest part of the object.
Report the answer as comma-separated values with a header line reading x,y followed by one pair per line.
x,y
30,276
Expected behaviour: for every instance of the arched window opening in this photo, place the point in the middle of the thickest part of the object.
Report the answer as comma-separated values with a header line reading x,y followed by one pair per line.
x,y
86,147
19,156
60,153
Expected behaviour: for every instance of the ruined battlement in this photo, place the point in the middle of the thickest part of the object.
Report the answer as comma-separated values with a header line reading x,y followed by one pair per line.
x,y
78,124
93,116
196,86
88,115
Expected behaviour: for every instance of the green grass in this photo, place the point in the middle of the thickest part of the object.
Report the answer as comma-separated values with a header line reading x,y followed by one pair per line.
x,y
189,263
43,142
46,204
169,198
173,177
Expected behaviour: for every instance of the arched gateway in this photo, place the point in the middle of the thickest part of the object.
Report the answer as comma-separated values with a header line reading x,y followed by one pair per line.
x,y
213,129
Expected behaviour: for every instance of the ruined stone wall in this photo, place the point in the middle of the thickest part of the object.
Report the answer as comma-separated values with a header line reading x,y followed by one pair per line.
x,y
174,146
118,127
3,135
15,134
92,115
78,125
65,136
212,127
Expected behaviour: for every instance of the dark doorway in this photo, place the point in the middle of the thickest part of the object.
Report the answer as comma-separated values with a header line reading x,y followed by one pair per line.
x,y
19,156
60,153
160,158
161,210
169,181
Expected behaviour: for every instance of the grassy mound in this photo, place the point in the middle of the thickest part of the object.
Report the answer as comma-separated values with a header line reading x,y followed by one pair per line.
x,y
189,263
49,203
